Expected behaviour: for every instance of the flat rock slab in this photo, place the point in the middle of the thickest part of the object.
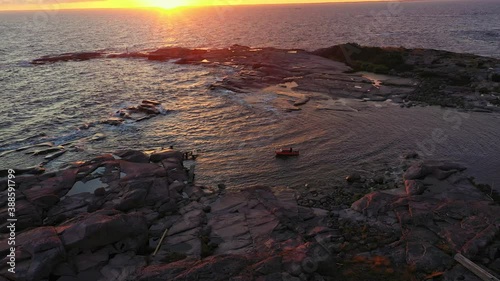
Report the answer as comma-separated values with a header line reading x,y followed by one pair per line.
x,y
253,234
39,251
95,230
439,215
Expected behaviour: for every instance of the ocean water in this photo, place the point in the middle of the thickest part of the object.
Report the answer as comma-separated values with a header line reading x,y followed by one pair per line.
x,y
236,134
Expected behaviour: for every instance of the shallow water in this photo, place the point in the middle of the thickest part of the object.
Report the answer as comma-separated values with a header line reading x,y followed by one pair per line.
x,y
236,134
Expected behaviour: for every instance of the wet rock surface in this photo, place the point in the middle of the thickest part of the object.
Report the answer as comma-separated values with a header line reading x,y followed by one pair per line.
x,y
145,110
418,76
147,222
444,78
49,156
68,57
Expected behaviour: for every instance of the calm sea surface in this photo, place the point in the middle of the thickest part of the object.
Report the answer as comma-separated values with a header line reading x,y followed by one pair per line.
x,y
236,134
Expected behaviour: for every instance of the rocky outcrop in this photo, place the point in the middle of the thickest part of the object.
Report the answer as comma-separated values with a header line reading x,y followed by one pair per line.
x,y
429,76
445,78
164,54
145,222
68,57
113,233
439,215
147,109
94,230
41,250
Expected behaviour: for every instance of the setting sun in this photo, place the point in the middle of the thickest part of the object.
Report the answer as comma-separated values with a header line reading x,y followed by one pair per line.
x,y
198,140
53,5
167,4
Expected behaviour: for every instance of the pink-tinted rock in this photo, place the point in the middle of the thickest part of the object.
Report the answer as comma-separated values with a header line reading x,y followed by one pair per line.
x,y
99,229
174,53
159,192
140,170
113,121
480,241
153,102
90,260
69,207
216,268
425,257
68,57
177,175
26,171
161,155
177,186
172,163
46,250
132,199
166,271
268,266
417,171
42,197
133,156
148,109
27,215
374,204
122,266
440,170
414,187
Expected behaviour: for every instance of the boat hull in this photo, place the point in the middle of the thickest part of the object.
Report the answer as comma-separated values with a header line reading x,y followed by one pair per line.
x,y
286,153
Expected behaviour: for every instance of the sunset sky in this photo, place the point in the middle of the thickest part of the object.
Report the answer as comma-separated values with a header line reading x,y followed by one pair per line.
x,y
81,4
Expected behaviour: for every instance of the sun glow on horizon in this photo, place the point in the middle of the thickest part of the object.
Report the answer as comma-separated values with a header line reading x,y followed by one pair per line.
x,y
167,4
55,5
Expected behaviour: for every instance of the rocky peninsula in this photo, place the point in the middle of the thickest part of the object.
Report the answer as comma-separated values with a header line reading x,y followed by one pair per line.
x,y
138,215
411,76
132,215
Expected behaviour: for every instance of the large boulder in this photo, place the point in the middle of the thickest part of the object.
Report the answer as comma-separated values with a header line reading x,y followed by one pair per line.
x,y
42,197
133,156
39,251
69,207
425,257
165,154
374,204
440,170
68,57
140,170
101,228
159,193
414,187
123,266
27,214
132,199
89,260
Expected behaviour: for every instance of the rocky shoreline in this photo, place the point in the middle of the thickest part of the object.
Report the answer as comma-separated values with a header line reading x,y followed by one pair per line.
x,y
136,215
417,76
142,220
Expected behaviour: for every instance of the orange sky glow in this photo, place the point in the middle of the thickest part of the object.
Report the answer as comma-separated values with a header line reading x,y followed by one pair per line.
x,y
167,4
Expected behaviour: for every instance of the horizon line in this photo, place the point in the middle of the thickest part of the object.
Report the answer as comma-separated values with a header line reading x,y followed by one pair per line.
x,y
208,6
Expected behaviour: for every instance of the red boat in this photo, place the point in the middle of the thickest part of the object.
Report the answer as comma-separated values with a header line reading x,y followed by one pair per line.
x,y
287,152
